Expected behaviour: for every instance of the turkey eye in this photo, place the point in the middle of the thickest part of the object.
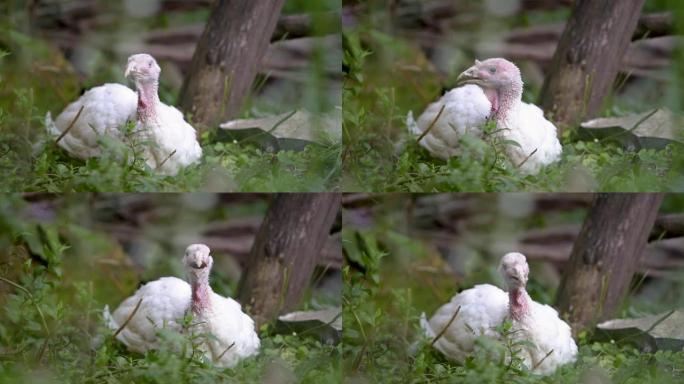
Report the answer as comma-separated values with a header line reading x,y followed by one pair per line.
x,y
150,64
492,70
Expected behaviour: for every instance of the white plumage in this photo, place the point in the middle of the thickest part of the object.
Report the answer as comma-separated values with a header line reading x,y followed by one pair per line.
x,y
106,109
170,142
466,110
484,307
490,90
164,304
229,332
226,333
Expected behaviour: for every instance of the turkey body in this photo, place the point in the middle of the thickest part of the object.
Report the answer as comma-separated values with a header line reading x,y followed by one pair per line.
x,y
164,304
172,141
233,336
538,145
466,110
548,339
483,308
551,338
106,110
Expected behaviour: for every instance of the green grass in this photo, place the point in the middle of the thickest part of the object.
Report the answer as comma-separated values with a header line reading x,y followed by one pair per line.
x,y
387,76
55,279
383,343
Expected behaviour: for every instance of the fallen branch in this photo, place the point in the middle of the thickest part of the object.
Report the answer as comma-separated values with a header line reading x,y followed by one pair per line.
x,y
70,125
542,360
425,132
167,158
527,158
446,327
226,350
125,323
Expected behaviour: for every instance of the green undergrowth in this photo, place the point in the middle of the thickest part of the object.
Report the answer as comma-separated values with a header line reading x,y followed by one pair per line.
x,y
383,342
225,166
388,76
51,328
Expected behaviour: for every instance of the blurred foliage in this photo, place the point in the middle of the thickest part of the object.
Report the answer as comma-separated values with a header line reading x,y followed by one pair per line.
x,y
56,276
393,275
387,76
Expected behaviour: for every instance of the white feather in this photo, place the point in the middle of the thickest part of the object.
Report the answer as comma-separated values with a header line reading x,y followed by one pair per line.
x,y
173,142
233,332
164,304
106,109
466,110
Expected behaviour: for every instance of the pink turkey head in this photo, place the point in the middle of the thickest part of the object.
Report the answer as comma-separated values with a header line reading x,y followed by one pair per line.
x,y
494,73
515,270
198,262
142,69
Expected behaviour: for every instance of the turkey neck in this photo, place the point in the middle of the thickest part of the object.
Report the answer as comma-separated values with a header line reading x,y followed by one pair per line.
x,y
518,303
201,293
506,99
147,100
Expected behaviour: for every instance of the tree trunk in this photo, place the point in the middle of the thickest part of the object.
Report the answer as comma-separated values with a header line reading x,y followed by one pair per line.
x,y
605,256
587,59
285,251
227,58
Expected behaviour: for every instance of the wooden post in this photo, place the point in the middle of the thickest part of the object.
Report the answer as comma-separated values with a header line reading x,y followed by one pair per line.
x,y
285,251
227,58
605,256
587,59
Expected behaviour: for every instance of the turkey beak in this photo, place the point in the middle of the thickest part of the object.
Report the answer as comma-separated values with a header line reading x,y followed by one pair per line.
x,y
196,265
129,69
468,77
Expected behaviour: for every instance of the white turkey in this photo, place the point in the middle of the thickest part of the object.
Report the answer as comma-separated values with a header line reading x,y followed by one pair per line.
x,y
489,90
170,141
104,111
164,303
484,307
173,142
229,332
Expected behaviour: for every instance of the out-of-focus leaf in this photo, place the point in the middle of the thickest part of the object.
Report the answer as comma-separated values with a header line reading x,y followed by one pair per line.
x,y
653,129
288,131
325,324
650,333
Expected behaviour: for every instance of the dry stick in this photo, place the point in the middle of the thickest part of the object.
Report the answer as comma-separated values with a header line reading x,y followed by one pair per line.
x,y
129,319
527,158
224,352
70,125
445,328
167,157
542,360
425,132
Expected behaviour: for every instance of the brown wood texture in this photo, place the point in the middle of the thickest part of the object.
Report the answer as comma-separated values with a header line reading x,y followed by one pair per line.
x,y
227,58
285,252
605,256
587,59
